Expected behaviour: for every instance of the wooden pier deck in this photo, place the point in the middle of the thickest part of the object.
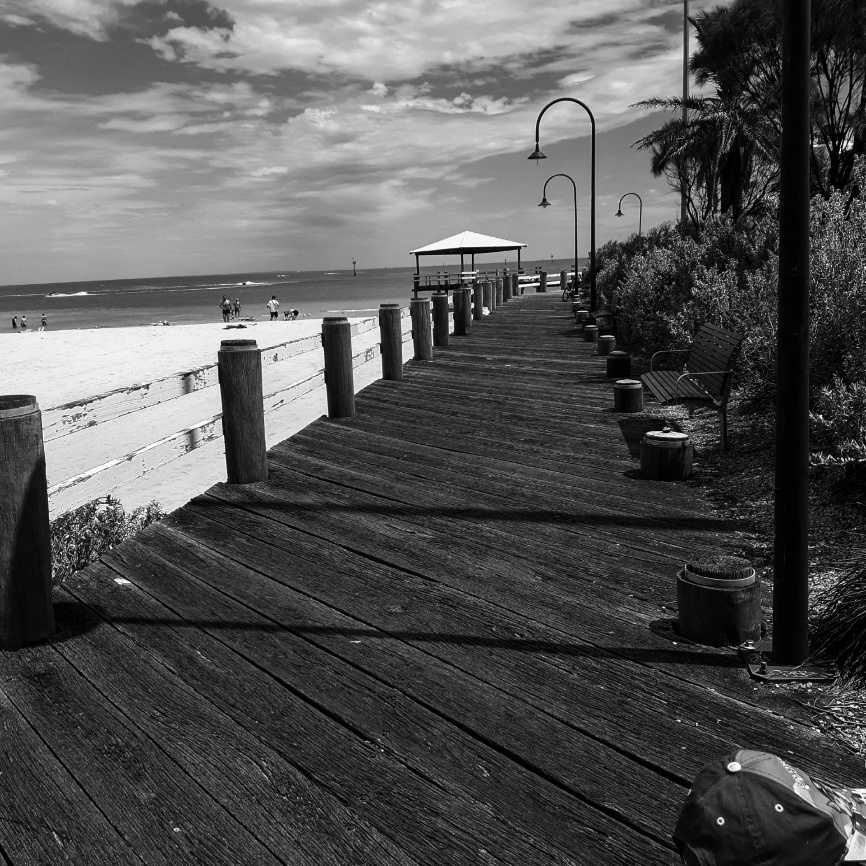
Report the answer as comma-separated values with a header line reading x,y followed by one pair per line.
x,y
439,634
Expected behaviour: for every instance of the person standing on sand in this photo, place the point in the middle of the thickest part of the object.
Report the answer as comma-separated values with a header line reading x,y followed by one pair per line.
x,y
226,307
237,310
273,306
24,322
15,323
44,323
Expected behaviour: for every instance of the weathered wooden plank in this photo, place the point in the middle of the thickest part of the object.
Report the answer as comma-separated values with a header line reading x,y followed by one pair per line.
x,y
474,755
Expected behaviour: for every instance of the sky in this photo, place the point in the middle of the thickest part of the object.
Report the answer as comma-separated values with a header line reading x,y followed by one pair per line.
x,y
162,137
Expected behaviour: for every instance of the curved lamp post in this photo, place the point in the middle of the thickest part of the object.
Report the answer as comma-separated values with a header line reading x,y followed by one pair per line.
x,y
545,203
537,154
639,213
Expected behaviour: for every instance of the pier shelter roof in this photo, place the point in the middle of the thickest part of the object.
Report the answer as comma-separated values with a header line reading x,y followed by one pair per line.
x,y
467,242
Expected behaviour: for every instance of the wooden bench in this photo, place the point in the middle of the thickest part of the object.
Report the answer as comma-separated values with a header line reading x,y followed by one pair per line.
x,y
704,376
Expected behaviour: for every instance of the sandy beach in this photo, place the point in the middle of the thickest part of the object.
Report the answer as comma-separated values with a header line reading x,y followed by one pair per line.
x,y
144,447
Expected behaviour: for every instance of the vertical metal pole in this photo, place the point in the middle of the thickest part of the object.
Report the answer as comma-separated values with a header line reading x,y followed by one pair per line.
x,y
684,210
593,293
791,554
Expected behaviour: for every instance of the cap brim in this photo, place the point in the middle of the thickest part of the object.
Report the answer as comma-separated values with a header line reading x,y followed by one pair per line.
x,y
852,802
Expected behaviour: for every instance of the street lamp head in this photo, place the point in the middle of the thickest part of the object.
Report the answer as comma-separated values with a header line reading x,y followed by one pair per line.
x,y
619,213
544,202
537,153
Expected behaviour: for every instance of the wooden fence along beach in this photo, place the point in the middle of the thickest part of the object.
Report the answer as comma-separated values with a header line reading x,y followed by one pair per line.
x,y
439,632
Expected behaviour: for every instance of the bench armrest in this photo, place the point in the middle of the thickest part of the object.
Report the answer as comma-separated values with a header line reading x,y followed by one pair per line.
x,y
688,375
666,352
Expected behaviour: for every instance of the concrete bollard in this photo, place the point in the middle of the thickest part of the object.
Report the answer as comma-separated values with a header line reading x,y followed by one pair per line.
x,y
422,334
339,378
542,281
478,301
440,319
26,612
391,341
239,369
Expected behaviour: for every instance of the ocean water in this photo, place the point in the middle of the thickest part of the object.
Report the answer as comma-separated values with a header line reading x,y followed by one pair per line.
x,y
196,299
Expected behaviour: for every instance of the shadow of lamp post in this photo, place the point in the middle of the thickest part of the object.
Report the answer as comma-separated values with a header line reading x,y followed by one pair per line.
x,y
538,154
619,212
545,203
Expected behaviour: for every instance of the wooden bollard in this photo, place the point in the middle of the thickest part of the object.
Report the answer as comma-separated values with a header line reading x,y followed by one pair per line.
x,y
467,309
440,319
618,364
563,280
422,335
581,316
590,333
506,288
666,455
462,312
339,378
542,281
627,395
489,294
515,286
391,341
239,369
604,344
478,301
500,291
26,614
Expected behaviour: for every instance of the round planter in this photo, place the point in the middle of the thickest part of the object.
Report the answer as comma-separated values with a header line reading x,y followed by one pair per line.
x,y
728,612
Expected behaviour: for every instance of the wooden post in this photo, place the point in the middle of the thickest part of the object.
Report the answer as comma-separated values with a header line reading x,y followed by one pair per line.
x,y
239,369
542,281
563,280
391,341
440,319
515,286
506,288
26,614
422,336
461,301
339,378
489,294
478,300
500,291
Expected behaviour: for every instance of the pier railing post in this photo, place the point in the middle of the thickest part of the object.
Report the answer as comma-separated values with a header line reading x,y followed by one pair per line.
x,y
339,378
563,280
478,300
542,281
440,319
515,286
391,341
489,294
26,614
461,299
506,287
422,336
239,368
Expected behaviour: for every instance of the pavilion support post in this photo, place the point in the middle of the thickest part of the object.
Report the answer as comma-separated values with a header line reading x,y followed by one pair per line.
x,y
391,341
518,260
440,319
422,335
339,377
791,552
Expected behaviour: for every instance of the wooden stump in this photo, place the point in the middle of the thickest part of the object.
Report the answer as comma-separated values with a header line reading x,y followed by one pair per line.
x,y
627,395
391,341
422,335
339,377
605,343
440,319
724,613
618,364
239,369
26,613
666,455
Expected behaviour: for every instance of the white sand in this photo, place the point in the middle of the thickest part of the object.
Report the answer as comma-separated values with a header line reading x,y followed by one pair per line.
x,y
59,367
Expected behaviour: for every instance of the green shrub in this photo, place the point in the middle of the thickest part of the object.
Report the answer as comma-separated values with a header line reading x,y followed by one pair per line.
x,y
839,419
82,535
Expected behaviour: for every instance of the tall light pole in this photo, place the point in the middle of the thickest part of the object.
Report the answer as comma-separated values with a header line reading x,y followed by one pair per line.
x,y
545,203
639,213
684,210
791,548
537,154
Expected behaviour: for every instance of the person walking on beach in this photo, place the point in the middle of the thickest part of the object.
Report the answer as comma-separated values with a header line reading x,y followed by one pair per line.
x,y
226,307
237,310
273,306
44,323
24,322
15,323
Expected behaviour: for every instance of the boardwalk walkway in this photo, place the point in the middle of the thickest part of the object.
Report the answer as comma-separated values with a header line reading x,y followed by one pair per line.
x,y
437,636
